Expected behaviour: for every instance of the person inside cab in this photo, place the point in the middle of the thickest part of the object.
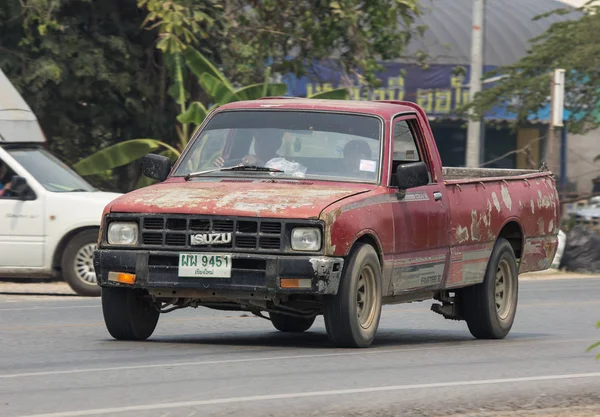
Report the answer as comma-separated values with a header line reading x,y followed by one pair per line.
x,y
6,175
266,144
355,151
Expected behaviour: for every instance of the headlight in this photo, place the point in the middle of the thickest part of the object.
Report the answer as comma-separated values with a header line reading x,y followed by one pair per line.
x,y
306,239
122,233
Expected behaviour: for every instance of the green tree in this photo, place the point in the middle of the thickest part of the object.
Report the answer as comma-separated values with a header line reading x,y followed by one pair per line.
x,y
571,45
92,76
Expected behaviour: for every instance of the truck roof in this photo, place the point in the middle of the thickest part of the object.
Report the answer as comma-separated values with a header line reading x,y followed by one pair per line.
x,y
380,108
18,124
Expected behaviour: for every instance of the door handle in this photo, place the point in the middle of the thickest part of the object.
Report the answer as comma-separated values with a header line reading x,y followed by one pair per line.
x,y
437,196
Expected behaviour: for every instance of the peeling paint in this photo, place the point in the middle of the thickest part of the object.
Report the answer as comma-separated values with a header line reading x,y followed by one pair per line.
x,y
506,197
551,226
532,207
487,218
496,201
209,197
540,224
475,227
462,234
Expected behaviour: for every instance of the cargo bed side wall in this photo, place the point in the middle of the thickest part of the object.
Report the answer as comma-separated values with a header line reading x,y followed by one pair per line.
x,y
479,211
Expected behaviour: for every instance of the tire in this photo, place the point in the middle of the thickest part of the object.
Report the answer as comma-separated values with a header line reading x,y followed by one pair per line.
x,y
289,324
350,323
489,308
77,263
127,315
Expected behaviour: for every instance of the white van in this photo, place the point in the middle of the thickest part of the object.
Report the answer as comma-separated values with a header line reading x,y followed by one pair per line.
x,y
49,215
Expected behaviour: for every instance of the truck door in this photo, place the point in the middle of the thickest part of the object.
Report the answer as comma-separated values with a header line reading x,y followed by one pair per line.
x,y
421,218
21,226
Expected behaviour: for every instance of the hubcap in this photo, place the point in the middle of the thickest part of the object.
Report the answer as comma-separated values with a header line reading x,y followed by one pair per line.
x,y
365,297
84,264
504,289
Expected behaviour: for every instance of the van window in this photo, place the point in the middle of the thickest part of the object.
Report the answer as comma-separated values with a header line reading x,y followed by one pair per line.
x,y
49,171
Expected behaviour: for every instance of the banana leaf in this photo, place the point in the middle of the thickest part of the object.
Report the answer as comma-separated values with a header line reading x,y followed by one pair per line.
x,y
118,155
195,113
200,65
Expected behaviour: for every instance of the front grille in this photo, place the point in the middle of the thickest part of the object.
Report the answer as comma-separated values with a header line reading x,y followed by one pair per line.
x,y
175,232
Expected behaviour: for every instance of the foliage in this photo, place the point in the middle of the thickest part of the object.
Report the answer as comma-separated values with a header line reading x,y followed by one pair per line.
x,y
247,37
570,45
595,345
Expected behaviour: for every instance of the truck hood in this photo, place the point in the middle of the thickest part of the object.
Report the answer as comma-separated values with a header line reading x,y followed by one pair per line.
x,y
289,199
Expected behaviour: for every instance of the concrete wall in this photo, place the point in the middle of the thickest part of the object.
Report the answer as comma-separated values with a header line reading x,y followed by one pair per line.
x,y
581,151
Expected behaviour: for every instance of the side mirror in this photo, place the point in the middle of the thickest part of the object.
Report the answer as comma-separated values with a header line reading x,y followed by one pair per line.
x,y
411,175
18,186
156,167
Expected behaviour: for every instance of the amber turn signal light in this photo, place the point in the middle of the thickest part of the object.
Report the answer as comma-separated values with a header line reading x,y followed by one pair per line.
x,y
121,277
295,282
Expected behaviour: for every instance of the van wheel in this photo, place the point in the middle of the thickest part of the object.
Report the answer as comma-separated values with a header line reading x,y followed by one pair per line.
x,y
127,315
289,324
77,263
489,308
352,315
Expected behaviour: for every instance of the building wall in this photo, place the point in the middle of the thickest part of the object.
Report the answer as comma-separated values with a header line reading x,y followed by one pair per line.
x,y
581,151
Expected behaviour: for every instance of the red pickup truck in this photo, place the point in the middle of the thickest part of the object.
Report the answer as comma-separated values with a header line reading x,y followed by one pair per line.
x,y
299,207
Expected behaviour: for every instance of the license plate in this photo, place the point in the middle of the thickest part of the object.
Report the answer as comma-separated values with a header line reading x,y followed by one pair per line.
x,y
204,265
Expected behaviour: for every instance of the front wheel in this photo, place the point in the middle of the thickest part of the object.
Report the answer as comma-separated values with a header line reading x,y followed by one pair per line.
x,y
489,308
289,324
352,315
77,263
127,315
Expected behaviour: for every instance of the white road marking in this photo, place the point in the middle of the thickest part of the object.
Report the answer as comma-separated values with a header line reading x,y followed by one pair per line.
x,y
455,345
295,395
49,308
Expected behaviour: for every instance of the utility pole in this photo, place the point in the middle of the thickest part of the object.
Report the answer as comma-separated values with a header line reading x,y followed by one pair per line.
x,y
474,127
557,103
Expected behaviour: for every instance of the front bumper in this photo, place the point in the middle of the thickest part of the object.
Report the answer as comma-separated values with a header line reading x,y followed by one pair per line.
x,y
249,273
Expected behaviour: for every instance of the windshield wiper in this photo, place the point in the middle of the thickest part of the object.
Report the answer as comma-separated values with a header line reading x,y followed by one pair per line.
x,y
252,168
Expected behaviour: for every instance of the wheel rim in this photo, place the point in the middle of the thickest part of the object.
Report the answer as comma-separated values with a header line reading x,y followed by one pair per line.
x,y
366,297
84,264
504,289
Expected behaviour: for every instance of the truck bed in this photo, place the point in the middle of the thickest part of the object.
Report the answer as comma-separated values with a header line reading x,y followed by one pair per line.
x,y
453,173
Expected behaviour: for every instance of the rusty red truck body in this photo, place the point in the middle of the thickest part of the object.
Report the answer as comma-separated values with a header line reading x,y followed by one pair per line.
x,y
353,211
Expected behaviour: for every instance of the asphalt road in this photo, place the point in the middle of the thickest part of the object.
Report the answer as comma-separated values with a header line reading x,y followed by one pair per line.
x,y
56,359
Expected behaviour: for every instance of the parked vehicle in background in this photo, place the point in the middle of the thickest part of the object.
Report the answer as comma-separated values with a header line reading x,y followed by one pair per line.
x,y
315,207
49,215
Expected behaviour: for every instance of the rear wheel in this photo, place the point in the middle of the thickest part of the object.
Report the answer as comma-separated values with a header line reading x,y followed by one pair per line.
x,y
489,308
127,315
77,263
352,315
289,324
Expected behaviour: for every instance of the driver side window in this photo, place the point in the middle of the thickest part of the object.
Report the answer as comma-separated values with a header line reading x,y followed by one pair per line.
x,y
6,175
405,148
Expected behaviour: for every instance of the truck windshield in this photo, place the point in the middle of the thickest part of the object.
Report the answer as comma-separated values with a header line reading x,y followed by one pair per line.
x,y
318,145
49,171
